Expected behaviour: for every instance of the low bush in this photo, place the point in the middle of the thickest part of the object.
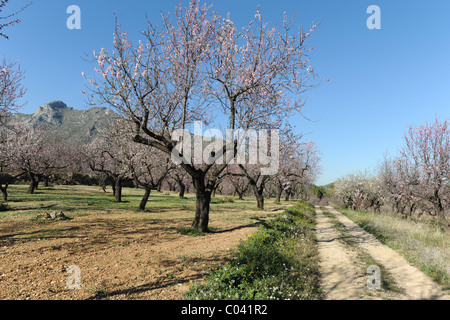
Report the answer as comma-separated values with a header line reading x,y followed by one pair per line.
x,y
190,232
3,207
277,262
221,200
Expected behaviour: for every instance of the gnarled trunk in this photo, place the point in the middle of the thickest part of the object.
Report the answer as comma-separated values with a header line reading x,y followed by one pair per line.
x,y
259,193
260,201
278,194
118,190
259,196
287,196
440,210
145,198
182,189
4,191
203,200
46,181
33,183
240,194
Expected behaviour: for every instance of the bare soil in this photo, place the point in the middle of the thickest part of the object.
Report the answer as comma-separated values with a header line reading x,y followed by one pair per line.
x,y
130,255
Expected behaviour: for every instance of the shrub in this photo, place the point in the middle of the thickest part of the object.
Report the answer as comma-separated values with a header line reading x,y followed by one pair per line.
x,y
3,207
223,200
190,232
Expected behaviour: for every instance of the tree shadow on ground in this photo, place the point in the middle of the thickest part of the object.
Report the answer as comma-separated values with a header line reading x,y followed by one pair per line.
x,y
145,287
250,225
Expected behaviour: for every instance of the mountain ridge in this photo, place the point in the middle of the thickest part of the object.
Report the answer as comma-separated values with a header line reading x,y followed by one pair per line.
x,y
74,126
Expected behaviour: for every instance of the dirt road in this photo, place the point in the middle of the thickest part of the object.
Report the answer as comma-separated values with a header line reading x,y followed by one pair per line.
x,y
347,251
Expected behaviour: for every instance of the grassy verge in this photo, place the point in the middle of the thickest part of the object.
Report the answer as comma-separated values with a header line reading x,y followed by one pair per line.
x,y
277,262
423,244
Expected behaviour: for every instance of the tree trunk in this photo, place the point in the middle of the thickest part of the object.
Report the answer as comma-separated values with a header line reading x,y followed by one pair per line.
x,y
259,197
259,194
203,201
443,219
145,198
118,190
289,195
278,194
46,181
260,201
441,212
182,189
4,192
33,183
411,210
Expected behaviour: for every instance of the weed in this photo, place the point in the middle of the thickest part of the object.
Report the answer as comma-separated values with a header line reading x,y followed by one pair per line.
x,y
190,232
4,207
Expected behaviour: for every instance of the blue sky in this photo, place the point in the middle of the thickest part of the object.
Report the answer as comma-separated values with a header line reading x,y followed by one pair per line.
x,y
380,80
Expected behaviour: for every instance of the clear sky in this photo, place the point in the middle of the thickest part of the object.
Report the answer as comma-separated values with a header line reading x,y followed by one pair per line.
x,y
380,81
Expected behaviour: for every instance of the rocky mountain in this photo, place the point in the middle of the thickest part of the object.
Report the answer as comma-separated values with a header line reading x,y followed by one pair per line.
x,y
75,126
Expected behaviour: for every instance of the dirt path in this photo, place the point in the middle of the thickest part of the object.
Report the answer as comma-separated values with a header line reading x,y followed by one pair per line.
x,y
338,265
339,275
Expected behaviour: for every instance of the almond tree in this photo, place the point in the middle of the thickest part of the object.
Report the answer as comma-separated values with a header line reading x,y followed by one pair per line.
x,y
11,89
107,155
306,167
238,181
35,152
186,66
299,165
398,180
182,179
360,191
149,167
424,164
5,180
118,158
9,19
11,76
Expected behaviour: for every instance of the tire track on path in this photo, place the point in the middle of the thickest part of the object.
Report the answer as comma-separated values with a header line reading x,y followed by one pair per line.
x,y
339,279
416,284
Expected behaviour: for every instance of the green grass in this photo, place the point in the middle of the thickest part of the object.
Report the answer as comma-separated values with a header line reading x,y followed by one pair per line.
x,y
90,202
81,200
277,262
190,232
424,244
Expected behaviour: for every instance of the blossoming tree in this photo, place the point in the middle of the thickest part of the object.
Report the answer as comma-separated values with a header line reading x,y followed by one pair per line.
x,y
11,89
424,165
185,67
